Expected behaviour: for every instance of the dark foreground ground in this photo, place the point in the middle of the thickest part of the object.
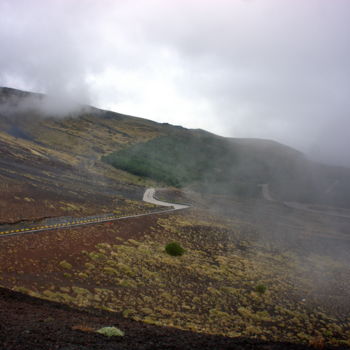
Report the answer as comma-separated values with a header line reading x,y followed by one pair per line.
x,y
30,323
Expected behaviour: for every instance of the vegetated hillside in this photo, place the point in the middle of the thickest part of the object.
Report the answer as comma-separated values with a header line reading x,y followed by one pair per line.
x,y
62,154
213,164
49,164
240,276
47,325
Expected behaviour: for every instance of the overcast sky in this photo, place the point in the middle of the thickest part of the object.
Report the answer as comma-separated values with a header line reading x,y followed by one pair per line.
x,y
277,69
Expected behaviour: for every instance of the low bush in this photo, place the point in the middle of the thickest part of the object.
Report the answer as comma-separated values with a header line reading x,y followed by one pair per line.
x,y
111,332
260,288
66,265
174,249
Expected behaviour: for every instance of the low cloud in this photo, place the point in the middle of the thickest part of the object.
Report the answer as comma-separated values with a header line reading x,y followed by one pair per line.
x,y
39,105
268,69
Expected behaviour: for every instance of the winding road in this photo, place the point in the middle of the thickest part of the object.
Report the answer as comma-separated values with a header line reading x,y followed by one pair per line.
x,y
149,197
65,222
299,206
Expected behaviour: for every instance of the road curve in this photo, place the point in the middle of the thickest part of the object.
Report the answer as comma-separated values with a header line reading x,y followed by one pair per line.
x,y
299,206
149,198
266,192
96,219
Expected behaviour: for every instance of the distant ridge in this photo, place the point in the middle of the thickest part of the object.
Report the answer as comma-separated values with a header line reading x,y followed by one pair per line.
x,y
171,155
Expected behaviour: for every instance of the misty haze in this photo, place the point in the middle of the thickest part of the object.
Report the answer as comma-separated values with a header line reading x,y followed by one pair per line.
x,y
174,175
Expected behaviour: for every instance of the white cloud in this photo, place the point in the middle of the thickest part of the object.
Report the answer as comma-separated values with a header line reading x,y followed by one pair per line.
x,y
273,69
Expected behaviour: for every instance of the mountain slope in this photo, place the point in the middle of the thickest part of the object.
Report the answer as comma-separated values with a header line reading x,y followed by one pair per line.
x,y
54,164
212,164
52,152
47,325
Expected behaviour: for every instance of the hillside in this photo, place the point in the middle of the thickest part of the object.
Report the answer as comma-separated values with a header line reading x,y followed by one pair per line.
x,y
211,164
255,272
74,329
75,144
54,162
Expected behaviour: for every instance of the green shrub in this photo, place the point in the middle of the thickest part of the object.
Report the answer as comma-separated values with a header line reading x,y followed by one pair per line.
x,y
111,332
174,249
110,271
260,288
66,265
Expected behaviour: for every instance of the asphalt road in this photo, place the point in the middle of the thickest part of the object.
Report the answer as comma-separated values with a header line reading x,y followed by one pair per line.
x,y
65,222
149,197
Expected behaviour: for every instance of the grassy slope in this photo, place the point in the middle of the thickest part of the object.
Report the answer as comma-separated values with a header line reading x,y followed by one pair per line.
x,y
210,289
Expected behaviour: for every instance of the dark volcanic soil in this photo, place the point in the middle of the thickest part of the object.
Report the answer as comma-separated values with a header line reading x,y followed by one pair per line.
x,y
29,323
